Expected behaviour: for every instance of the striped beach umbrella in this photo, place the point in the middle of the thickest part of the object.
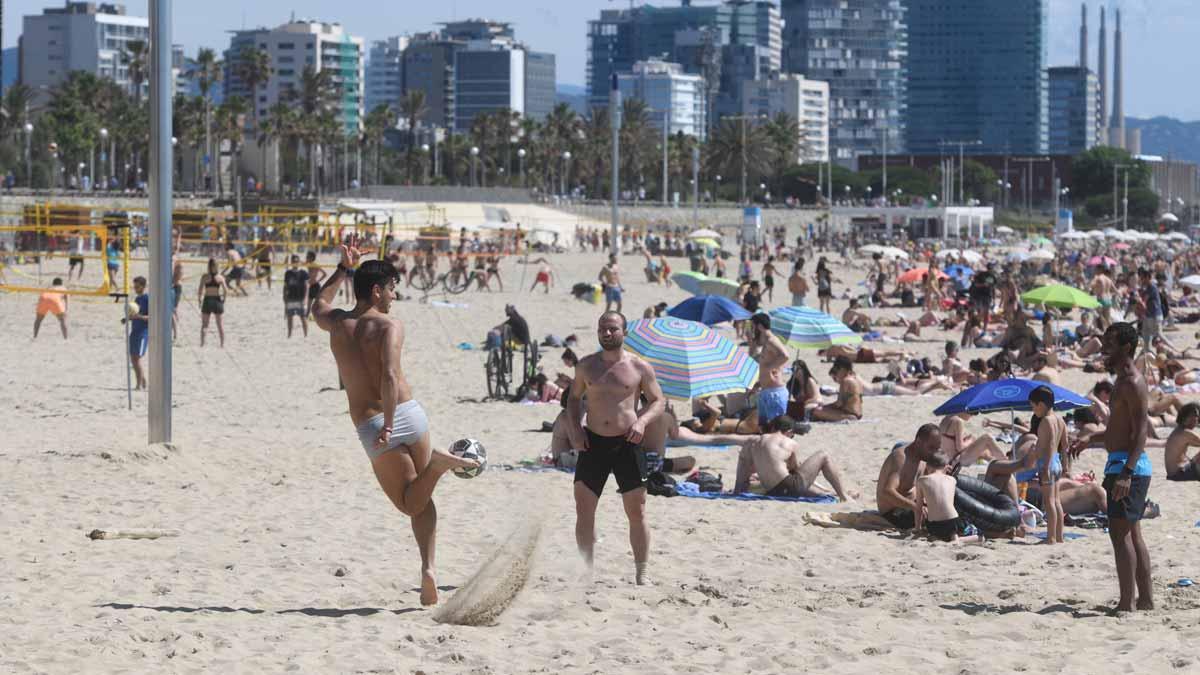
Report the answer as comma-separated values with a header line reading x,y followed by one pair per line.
x,y
804,328
689,281
690,359
726,288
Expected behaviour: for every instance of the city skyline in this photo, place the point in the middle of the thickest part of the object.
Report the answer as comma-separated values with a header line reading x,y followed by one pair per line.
x,y
1157,46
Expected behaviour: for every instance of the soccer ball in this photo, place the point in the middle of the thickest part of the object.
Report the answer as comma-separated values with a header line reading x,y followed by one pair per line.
x,y
469,448
132,310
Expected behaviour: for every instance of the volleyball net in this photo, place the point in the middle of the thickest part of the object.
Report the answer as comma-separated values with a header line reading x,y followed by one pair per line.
x,y
41,243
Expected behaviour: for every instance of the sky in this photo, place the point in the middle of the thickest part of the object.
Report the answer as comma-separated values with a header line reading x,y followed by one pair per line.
x,y
1159,43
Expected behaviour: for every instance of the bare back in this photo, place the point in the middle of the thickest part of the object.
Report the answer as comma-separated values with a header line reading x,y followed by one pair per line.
x,y
362,344
1176,455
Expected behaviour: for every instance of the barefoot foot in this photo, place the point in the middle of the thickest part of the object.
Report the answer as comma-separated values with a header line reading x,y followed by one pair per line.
x,y
429,590
441,461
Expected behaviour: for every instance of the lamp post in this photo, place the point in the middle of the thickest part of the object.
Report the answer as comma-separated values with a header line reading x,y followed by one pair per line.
x,y
695,187
79,175
521,163
53,165
104,156
868,195
1118,167
425,172
174,144
743,119
717,189
562,177
474,157
28,155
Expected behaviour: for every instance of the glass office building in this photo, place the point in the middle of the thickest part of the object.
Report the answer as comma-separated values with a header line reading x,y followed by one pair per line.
x,y
977,72
859,47
1074,110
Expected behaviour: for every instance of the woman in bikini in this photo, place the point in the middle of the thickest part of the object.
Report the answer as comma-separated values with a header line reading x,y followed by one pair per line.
x,y
212,292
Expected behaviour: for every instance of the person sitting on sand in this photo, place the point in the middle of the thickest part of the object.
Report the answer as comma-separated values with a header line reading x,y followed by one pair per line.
x,y
849,401
933,500
54,301
961,447
664,427
898,476
854,319
775,456
1179,466
804,393
1042,372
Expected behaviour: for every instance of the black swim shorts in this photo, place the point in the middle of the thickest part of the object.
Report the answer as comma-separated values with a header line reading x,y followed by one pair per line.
x,y
610,454
1129,508
943,530
901,519
790,486
1187,473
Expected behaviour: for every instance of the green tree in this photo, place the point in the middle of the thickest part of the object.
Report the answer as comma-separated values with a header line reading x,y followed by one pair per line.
x,y
1092,173
375,125
135,56
784,140
735,140
278,129
254,69
206,71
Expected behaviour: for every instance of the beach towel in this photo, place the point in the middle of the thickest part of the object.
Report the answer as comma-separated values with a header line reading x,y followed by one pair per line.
x,y
867,521
449,305
1066,535
675,443
693,490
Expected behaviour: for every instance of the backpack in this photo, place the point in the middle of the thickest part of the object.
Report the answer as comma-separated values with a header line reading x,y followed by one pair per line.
x,y
706,481
660,484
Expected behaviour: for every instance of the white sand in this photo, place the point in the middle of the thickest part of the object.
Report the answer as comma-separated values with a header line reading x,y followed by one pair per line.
x,y
274,496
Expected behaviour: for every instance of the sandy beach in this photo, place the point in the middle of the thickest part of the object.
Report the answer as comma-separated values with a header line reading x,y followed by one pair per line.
x,y
290,557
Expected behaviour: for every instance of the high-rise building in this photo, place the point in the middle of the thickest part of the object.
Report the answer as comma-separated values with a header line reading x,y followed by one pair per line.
x,y
493,71
804,100
977,72
541,84
1074,110
429,68
705,40
291,48
860,48
385,72
79,36
665,88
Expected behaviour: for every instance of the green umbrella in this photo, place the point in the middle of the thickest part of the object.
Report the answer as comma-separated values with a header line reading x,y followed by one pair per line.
x,y
1061,297
1042,241
689,281
726,288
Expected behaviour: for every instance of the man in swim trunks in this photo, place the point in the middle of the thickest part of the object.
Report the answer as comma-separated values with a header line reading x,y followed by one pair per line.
x,y
295,287
76,257
52,302
798,285
1180,467
1127,471
610,282
850,390
367,345
772,357
898,476
775,457
613,381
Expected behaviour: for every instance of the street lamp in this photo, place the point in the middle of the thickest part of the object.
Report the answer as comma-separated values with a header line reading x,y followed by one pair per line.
x,y
425,151
174,143
28,155
521,161
79,175
743,119
566,157
474,156
717,189
868,194
105,155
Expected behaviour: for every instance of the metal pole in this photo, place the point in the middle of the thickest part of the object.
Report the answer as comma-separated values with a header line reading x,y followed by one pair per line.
x,y
1116,212
743,197
28,160
695,187
962,173
160,221
614,115
666,139
885,163
1125,200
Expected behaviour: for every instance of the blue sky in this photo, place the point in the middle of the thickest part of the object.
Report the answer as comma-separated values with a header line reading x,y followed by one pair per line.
x,y
1160,47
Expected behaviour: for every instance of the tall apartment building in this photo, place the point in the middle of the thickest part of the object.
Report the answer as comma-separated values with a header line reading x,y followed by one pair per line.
x,y
804,100
724,43
665,88
860,48
385,72
1074,110
79,36
291,48
493,71
429,67
977,72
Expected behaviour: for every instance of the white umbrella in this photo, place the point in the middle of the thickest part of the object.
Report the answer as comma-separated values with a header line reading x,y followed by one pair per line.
x,y
705,234
1095,234
1042,254
948,253
1019,256
1178,236
1192,282
1073,235
893,252
871,248
972,257
1004,229
1112,233
1169,218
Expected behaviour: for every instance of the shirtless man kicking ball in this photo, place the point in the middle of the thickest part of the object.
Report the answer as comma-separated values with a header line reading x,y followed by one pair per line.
x,y
613,381
392,427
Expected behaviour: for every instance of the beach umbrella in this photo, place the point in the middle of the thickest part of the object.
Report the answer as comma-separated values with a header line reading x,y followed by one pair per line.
x,y
1041,254
708,243
1042,241
1019,256
1122,246
1112,233
972,257
1101,260
1004,229
690,360
709,310
1061,297
872,249
919,274
705,233
689,281
1095,234
1073,235
804,328
958,272
1169,218
1177,236
1007,395
948,253
726,288
893,252
1192,281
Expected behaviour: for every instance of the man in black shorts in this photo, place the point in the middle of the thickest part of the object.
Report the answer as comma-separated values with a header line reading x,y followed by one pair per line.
x,y
982,292
613,381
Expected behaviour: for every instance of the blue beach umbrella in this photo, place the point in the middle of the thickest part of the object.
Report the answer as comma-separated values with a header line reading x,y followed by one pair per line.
x,y
956,271
709,310
1007,395
804,328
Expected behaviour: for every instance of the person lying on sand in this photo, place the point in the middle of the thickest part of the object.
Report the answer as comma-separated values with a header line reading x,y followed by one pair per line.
x,y
863,354
775,456
898,476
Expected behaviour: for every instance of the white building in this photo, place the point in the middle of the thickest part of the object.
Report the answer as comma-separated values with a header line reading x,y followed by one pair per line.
x,y
665,87
385,72
293,47
806,101
79,36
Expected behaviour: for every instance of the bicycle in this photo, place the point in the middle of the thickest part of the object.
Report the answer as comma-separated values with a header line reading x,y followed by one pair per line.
x,y
498,367
454,281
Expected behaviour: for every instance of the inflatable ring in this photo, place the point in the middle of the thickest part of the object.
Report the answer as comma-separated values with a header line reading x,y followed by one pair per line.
x,y
985,505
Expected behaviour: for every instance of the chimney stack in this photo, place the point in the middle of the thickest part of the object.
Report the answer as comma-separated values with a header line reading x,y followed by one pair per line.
x,y
1102,73
1118,113
1083,46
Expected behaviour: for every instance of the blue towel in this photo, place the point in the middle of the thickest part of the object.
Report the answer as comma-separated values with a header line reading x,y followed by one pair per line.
x,y
1066,535
466,346
693,490
673,443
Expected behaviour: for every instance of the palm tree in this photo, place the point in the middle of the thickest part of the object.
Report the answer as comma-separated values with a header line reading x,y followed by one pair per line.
x,y
727,150
135,56
413,110
315,96
597,149
206,70
188,126
375,125
783,137
278,128
254,69
637,143
229,125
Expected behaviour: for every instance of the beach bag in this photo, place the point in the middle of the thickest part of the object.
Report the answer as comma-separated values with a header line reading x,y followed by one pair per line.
x,y
706,481
660,484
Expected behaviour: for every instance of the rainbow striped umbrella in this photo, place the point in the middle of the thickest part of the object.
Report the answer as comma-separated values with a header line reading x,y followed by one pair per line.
x,y
690,359
801,327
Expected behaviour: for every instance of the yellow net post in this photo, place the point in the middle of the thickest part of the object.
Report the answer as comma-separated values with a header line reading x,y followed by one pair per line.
x,y
125,252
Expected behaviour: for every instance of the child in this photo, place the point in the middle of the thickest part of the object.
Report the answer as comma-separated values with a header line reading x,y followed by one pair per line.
x,y
1051,439
52,302
139,331
935,500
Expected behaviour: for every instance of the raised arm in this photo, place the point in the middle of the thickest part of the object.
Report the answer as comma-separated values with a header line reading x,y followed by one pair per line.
x,y
323,310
